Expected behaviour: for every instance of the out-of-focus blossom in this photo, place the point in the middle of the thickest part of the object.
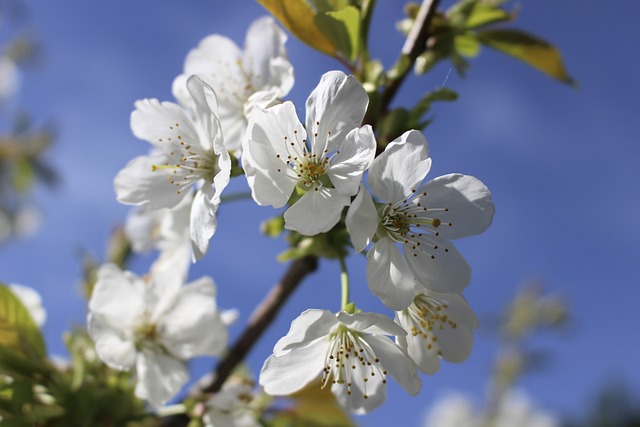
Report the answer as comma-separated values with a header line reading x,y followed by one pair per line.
x,y
257,76
155,324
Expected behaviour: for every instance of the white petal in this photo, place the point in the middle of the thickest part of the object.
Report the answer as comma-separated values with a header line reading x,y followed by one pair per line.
x,y
370,323
437,264
456,344
114,347
467,200
354,156
140,183
221,180
362,220
356,403
117,296
396,362
141,228
205,113
263,44
307,327
217,60
203,224
388,275
261,99
316,212
154,122
181,93
215,57
338,103
160,377
426,359
281,75
398,171
289,372
176,257
192,327
272,136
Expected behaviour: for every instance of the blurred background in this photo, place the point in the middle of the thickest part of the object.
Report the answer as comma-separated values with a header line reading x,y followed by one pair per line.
x,y
562,165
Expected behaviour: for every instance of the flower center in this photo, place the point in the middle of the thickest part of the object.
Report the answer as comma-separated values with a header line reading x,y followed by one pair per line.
x,y
349,360
427,316
302,164
408,220
187,163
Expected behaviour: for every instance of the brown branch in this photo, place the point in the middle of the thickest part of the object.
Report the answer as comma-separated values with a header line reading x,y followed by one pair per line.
x,y
414,46
261,318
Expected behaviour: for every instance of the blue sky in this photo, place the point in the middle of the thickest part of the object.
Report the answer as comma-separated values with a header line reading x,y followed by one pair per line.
x,y
562,166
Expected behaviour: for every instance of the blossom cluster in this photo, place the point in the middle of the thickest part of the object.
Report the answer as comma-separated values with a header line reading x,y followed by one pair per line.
x,y
230,112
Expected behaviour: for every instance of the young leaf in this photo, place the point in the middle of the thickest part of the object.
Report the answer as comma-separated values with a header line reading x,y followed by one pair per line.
x,y
330,5
298,17
343,28
466,45
528,48
483,15
421,108
18,331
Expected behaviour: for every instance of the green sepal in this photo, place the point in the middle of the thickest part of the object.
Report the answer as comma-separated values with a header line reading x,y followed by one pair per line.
x,y
273,227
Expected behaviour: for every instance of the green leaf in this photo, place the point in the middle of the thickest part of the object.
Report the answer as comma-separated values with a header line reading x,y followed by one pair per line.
x,y
466,45
459,13
484,15
18,331
330,5
421,108
343,29
392,125
528,48
298,17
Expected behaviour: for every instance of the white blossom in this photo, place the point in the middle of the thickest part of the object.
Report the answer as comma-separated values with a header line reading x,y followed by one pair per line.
x,y
513,409
229,407
154,324
351,353
188,153
421,218
256,76
325,162
165,230
438,325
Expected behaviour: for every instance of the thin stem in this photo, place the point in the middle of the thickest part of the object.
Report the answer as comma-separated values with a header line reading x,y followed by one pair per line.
x,y
414,46
344,279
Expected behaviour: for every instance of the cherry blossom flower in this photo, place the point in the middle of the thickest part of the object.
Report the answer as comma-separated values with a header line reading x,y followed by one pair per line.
x,y
228,407
154,324
188,153
420,218
165,230
325,162
513,409
438,326
350,352
257,76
